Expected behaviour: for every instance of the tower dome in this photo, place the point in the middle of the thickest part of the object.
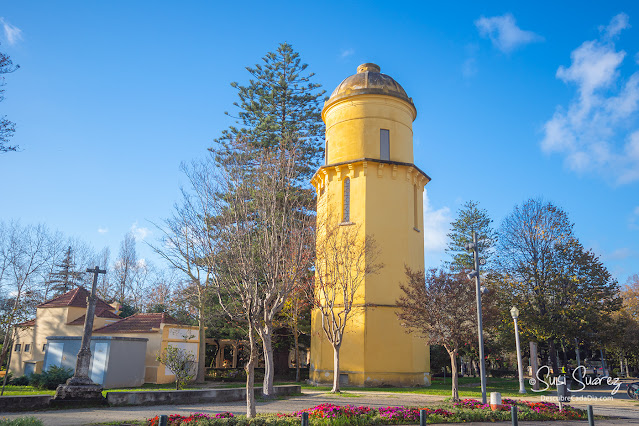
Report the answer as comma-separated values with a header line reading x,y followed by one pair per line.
x,y
368,80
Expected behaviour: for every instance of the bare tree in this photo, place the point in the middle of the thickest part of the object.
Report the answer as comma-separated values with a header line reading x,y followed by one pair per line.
x,y
268,235
125,267
24,253
439,306
103,288
298,304
532,240
344,258
7,128
187,244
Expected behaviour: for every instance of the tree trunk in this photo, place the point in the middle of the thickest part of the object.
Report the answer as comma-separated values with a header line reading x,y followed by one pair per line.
x,y
201,370
335,370
267,342
565,357
454,376
250,375
7,337
553,357
297,351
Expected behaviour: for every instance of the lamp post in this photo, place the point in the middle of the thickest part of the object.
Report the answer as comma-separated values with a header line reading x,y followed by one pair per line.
x,y
480,329
514,312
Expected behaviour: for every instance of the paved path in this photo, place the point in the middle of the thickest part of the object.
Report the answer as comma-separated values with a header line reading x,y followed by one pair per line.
x,y
620,406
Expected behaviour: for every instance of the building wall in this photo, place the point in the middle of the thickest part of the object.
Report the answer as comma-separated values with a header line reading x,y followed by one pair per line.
x,y
383,199
49,322
184,337
116,362
157,341
22,336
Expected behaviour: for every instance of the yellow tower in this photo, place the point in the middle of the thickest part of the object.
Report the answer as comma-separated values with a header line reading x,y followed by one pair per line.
x,y
369,180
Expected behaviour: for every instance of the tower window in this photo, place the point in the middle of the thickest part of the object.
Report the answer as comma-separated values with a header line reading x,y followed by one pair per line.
x,y
347,201
384,144
326,153
416,202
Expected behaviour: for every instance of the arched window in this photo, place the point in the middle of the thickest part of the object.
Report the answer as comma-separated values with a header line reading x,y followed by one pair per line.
x,y
384,144
347,201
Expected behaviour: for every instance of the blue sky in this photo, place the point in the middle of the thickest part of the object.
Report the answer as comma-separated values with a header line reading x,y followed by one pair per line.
x,y
514,101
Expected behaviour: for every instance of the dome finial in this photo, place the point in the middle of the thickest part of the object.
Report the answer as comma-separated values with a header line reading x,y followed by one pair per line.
x,y
368,67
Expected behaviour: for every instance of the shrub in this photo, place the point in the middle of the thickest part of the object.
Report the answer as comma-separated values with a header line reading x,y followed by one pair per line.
x,y
21,421
20,381
180,362
51,378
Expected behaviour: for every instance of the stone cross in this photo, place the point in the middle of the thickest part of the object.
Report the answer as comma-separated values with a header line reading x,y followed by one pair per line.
x,y
84,356
80,386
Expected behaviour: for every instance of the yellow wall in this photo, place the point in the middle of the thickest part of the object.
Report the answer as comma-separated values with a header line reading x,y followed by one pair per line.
x,y
175,335
353,125
49,322
376,349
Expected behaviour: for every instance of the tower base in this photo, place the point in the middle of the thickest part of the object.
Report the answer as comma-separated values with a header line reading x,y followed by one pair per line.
x,y
365,379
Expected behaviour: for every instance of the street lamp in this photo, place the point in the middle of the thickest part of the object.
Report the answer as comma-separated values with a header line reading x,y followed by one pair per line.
x,y
480,330
514,312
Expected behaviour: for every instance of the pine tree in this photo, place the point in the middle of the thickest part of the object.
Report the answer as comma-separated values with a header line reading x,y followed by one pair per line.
x,y
470,218
279,106
280,124
66,278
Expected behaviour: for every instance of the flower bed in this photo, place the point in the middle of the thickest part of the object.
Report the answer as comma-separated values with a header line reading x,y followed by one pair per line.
x,y
348,415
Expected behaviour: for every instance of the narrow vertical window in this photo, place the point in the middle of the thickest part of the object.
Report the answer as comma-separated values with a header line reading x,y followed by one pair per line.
x,y
384,144
326,153
347,200
416,207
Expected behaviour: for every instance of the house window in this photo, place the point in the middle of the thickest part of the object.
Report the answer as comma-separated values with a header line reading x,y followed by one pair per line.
x,y
27,347
384,144
347,201
44,347
17,348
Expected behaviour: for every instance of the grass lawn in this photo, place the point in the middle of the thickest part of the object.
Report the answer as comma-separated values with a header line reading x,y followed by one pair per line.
x,y
469,387
25,390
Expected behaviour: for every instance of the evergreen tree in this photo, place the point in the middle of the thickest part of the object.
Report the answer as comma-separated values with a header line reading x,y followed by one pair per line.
x,y
279,106
66,278
279,122
470,218
6,127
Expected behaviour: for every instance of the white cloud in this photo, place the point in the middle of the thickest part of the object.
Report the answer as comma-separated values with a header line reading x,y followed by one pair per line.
x,y
103,230
504,33
12,34
617,24
436,226
140,233
598,131
347,52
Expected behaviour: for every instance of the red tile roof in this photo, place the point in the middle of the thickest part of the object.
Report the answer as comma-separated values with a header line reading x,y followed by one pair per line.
x,y
77,298
100,313
138,323
29,323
